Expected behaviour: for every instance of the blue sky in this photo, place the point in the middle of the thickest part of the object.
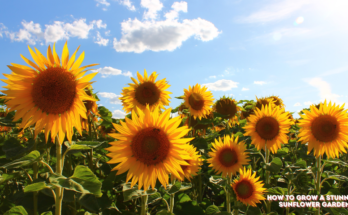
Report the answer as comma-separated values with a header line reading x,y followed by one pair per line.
x,y
295,49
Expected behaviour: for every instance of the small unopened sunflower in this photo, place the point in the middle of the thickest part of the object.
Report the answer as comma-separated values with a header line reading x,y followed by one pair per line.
x,y
248,189
227,106
51,93
228,156
268,126
195,162
198,100
149,146
144,92
325,129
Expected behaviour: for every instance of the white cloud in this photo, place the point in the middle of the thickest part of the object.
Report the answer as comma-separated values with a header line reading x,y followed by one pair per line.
x,y
308,103
245,89
103,2
107,70
324,90
128,4
99,23
100,40
153,7
165,35
298,62
107,33
113,98
297,104
276,11
177,7
213,76
259,82
221,85
32,32
118,114
174,114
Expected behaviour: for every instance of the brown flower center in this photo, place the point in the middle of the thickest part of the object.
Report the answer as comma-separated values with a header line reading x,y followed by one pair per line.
x,y
267,128
226,107
228,157
150,146
325,128
54,90
196,102
244,189
147,93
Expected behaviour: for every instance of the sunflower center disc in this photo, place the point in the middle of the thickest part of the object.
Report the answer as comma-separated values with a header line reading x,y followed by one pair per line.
x,y
150,146
54,90
267,128
196,102
244,189
325,128
228,157
147,93
226,108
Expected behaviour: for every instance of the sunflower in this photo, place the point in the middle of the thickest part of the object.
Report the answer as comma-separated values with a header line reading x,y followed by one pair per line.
x,y
263,102
50,95
91,106
268,126
248,109
277,101
248,189
144,92
181,110
198,100
195,162
325,129
228,156
149,147
227,106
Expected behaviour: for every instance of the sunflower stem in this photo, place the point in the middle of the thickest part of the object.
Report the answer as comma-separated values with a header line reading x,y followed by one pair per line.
x,y
318,180
143,204
59,169
35,176
267,178
171,202
228,196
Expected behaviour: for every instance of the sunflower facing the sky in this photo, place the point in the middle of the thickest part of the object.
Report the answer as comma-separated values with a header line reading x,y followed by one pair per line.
x,y
325,129
268,126
228,156
146,91
149,146
198,100
248,189
264,101
277,101
51,93
195,162
227,106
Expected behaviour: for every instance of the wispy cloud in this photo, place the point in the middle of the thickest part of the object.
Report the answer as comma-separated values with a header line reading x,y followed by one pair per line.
x,y
335,71
245,89
113,98
259,82
275,11
324,89
100,40
128,4
118,114
221,85
297,104
108,70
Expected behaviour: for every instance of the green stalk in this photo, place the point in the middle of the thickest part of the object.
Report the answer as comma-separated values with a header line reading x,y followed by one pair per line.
x,y
318,180
90,162
171,202
228,196
89,126
59,170
143,204
35,176
267,177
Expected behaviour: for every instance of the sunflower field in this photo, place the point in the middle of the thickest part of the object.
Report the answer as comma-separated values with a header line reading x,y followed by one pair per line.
x,y
62,154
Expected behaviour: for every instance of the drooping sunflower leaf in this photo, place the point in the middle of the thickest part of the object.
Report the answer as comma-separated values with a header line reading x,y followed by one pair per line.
x,y
36,187
28,159
17,210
